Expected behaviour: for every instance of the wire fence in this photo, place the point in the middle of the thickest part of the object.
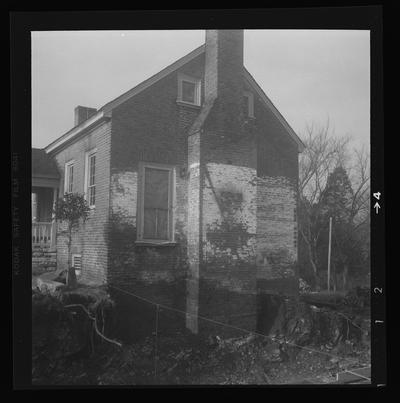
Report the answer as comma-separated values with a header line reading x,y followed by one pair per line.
x,y
159,350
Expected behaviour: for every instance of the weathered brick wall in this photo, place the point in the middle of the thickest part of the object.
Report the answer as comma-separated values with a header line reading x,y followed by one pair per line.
x,y
229,213
249,227
227,286
91,239
150,127
277,171
276,235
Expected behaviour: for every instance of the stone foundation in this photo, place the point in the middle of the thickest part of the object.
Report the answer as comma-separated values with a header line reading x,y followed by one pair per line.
x,y
43,260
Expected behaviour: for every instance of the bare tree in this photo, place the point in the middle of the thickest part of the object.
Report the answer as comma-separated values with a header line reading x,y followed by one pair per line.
x,y
323,153
360,178
358,228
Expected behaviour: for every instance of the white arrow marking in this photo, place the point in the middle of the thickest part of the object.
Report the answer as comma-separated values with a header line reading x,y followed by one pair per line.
x,y
377,207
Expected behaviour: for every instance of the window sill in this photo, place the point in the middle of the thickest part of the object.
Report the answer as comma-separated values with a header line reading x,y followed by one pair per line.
x,y
188,104
156,243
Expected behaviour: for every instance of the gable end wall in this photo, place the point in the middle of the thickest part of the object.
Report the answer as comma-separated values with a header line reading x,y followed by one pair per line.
x,y
91,239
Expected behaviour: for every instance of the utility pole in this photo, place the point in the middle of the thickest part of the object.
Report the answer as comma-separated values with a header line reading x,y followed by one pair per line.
x,y
329,252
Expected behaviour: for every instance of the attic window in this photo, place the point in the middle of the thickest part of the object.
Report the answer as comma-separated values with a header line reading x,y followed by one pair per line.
x,y
189,90
248,104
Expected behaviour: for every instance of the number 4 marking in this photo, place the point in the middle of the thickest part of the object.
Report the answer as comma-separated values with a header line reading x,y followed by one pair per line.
x,y
377,195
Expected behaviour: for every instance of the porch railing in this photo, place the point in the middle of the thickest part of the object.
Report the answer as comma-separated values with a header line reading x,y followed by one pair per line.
x,y
43,234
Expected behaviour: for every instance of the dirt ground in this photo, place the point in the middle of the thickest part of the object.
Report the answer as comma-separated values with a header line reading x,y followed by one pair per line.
x,y
245,360
62,354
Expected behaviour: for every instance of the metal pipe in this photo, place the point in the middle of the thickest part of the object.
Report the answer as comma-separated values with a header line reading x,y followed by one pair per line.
x,y
329,252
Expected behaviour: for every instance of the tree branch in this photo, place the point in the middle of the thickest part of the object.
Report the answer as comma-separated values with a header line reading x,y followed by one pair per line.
x,y
95,323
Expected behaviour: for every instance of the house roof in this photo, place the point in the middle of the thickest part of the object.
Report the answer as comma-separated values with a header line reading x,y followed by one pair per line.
x,y
105,111
43,165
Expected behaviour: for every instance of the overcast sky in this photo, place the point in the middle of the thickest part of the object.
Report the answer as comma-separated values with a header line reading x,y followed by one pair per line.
x,y
310,75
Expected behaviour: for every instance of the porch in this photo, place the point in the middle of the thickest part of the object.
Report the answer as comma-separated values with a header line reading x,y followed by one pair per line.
x,y
43,221
43,235
45,189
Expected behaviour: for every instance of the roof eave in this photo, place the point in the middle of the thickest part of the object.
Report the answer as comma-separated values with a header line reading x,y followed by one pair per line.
x,y
88,124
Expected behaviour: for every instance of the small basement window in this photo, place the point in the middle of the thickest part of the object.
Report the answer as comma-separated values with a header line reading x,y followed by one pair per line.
x,y
77,263
189,90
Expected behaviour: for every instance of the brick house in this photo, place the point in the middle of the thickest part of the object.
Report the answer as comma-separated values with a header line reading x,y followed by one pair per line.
x,y
192,181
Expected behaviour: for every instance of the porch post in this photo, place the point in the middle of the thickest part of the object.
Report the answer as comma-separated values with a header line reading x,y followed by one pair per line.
x,y
53,219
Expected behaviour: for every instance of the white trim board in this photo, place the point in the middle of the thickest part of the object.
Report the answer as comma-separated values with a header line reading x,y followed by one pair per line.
x,y
74,132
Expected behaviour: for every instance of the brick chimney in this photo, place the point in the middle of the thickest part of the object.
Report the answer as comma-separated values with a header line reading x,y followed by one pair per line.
x,y
83,113
224,75
221,192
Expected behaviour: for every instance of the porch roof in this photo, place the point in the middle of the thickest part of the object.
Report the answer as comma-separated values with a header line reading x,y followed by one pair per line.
x,y
43,166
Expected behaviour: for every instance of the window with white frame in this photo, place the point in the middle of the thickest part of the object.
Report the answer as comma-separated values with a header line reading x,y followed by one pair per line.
x,y
156,203
90,180
69,177
189,90
248,104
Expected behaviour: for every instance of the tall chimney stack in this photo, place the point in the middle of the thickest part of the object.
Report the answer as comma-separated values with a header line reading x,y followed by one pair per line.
x,y
83,113
224,74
